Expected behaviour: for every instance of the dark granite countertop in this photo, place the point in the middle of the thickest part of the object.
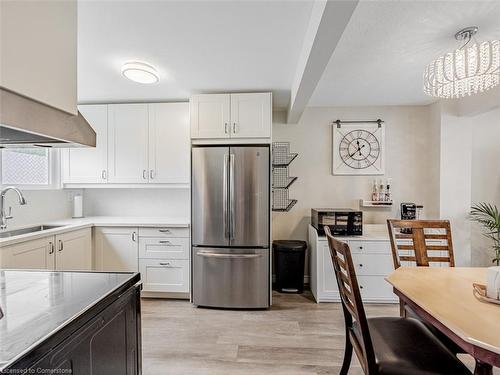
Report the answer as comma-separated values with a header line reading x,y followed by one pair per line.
x,y
37,304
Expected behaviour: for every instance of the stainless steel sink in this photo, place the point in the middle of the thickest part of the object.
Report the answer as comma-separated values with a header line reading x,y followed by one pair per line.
x,y
18,232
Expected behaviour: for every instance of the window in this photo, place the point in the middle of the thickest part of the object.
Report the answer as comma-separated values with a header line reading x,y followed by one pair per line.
x,y
27,167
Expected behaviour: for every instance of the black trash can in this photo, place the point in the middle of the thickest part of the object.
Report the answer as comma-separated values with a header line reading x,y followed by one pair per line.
x,y
289,259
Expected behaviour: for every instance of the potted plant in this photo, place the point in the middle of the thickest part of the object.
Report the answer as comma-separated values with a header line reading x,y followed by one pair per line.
x,y
488,216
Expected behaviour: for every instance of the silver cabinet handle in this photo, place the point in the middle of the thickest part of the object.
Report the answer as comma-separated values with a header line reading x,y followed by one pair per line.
x,y
234,128
225,128
151,174
165,242
144,174
229,256
225,216
103,174
52,248
167,264
134,236
167,231
232,223
61,246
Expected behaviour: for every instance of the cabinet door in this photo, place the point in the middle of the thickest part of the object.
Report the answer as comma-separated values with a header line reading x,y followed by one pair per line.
x,y
169,144
109,343
74,250
89,165
210,116
34,254
128,143
165,275
251,115
116,249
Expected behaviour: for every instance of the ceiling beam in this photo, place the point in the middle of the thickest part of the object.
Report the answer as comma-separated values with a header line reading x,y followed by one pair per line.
x,y
328,21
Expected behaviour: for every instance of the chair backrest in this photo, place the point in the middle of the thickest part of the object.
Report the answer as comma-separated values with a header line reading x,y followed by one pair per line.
x,y
425,242
351,301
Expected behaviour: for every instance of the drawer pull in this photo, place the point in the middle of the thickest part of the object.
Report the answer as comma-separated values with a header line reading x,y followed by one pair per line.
x,y
165,242
361,265
165,231
361,287
361,248
167,264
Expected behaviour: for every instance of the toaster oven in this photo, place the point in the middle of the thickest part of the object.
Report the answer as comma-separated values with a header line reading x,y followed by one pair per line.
x,y
341,222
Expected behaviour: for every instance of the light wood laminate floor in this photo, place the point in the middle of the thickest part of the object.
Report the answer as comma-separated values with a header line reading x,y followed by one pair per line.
x,y
295,336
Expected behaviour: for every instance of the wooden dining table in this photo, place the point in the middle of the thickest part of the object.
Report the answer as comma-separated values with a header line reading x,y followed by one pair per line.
x,y
443,297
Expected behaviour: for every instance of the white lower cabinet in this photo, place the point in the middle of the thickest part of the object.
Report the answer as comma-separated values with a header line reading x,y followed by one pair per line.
x,y
116,249
34,254
63,252
74,250
164,260
372,261
165,275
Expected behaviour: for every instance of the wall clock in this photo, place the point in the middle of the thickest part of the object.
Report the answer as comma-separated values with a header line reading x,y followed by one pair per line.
x,y
358,148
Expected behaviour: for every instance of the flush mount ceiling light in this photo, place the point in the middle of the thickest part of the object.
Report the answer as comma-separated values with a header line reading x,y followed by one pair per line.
x,y
471,69
140,72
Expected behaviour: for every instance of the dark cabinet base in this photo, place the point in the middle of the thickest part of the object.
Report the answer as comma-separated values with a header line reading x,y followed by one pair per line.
x,y
106,344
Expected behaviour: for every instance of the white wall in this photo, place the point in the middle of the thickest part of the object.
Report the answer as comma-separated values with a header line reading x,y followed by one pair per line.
x,y
408,162
137,202
42,206
485,176
455,180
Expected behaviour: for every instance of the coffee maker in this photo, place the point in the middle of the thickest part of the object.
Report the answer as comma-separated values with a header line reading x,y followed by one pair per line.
x,y
408,212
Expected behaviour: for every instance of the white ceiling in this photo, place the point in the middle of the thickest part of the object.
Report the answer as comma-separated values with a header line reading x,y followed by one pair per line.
x,y
221,46
387,44
198,46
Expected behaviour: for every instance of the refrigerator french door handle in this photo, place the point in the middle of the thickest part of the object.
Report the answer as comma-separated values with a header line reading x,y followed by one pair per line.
x,y
232,203
225,198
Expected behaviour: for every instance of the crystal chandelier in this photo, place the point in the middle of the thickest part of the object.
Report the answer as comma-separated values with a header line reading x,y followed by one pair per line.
x,y
471,69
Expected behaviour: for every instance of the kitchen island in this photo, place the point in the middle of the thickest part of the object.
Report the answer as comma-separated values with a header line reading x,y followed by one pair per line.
x,y
70,322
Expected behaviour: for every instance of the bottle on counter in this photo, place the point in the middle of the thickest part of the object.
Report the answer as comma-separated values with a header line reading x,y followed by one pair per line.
x,y
375,191
381,191
388,193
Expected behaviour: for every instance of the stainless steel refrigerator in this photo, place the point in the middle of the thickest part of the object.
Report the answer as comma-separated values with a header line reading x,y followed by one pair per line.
x,y
230,226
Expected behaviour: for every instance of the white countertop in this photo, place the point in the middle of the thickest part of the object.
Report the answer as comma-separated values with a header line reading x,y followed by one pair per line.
x,y
371,232
94,221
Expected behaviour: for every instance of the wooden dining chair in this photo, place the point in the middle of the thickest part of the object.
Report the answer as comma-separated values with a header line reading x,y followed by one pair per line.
x,y
385,345
419,248
414,247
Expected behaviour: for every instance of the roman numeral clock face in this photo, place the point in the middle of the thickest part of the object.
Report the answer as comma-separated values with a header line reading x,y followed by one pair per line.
x,y
358,150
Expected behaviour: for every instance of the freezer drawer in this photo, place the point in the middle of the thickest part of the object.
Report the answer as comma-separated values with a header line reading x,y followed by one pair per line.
x,y
231,278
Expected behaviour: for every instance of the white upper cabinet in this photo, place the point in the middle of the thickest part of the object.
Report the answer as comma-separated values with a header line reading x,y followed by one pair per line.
x,y
210,116
231,115
89,165
251,115
128,143
169,146
38,51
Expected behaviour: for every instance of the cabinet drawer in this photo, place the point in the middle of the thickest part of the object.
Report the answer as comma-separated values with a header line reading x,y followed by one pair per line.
x,y
373,264
366,247
375,288
164,248
164,275
164,232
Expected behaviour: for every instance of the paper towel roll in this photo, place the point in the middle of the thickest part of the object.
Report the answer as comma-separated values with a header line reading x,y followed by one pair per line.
x,y
493,282
78,206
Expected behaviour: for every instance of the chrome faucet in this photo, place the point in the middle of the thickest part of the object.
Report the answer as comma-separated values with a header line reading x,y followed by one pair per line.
x,y
4,217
